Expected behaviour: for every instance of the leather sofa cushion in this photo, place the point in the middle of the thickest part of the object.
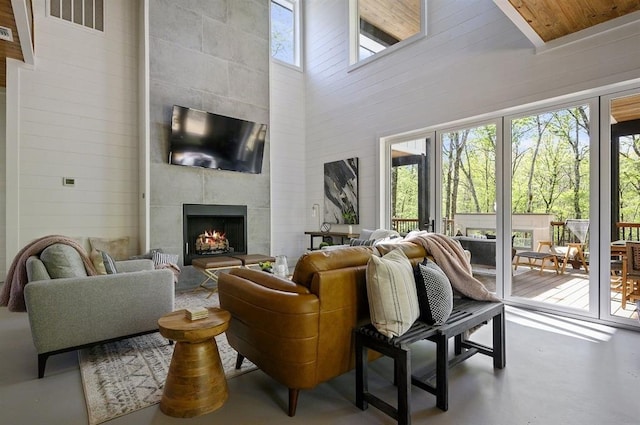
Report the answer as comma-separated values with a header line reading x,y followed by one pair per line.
x,y
269,280
318,261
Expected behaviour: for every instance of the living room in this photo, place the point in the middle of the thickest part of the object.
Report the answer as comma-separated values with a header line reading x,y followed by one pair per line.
x,y
95,108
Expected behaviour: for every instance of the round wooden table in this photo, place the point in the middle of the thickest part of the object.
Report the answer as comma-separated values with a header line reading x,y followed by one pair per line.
x,y
196,383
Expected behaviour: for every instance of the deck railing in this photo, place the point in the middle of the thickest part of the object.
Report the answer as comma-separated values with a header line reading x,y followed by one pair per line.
x,y
404,225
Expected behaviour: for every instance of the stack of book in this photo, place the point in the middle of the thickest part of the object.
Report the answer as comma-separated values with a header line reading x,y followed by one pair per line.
x,y
196,313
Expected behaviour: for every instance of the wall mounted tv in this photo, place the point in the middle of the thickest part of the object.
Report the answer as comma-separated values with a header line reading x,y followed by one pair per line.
x,y
204,139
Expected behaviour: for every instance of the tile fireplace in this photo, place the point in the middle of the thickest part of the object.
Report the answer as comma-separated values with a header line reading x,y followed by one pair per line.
x,y
211,230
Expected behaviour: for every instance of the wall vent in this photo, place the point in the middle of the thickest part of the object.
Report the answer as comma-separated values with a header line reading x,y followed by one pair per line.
x,y
6,34
88,13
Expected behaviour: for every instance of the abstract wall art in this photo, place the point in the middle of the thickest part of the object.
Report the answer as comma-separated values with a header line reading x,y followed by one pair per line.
x,y
341,191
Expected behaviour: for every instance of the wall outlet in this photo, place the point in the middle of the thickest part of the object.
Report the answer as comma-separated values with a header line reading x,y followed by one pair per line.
x,y
68,181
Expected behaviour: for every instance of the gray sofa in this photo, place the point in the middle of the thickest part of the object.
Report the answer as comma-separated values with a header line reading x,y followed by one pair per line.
x,y
66,314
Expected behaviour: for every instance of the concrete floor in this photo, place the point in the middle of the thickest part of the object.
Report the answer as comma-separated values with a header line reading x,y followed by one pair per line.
x,y
559,371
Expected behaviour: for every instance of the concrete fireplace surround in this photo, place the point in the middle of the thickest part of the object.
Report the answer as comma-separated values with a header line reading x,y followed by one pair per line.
x,y
212,56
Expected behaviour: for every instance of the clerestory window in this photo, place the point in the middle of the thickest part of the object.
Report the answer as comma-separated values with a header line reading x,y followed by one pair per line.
x,y
285,31
88,13
378,25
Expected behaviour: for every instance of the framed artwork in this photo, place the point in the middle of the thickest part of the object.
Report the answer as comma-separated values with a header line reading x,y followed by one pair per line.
x,y
341,191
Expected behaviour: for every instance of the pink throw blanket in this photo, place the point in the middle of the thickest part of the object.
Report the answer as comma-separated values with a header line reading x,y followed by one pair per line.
x,y
12,294
451,258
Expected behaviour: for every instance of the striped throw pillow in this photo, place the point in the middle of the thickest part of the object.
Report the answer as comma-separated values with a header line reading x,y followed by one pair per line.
x,y
391,290
164,258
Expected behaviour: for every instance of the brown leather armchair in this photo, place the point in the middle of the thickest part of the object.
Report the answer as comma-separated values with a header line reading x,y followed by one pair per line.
x,y
300,331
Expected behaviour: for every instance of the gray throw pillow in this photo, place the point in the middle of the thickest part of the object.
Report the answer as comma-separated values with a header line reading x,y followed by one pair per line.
x,y
435,296
62,261
109,263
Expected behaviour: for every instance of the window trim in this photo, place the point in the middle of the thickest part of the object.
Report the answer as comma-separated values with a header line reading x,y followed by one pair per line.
x,y
295,6
354,36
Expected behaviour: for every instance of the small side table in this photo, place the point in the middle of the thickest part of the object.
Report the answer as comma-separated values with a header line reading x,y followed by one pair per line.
x,y
196,383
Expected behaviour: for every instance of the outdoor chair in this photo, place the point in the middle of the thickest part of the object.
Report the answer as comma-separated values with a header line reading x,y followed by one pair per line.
x,y
631,276
533,257
572,250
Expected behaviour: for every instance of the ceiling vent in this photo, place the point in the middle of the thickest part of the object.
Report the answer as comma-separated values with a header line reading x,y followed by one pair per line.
x,y
5,34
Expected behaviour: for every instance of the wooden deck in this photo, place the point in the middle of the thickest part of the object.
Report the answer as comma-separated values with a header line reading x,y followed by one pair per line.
x,y
570,289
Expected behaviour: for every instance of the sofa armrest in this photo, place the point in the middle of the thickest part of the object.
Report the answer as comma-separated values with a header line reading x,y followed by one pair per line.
x,y
127,266
70,312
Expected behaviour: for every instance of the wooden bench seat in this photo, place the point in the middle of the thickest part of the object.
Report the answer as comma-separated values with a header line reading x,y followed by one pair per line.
x,y
467,314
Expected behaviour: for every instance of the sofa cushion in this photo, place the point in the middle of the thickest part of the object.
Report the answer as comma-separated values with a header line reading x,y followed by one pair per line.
x,y
391,291
380,234
435,296
118,248
36,269
62,261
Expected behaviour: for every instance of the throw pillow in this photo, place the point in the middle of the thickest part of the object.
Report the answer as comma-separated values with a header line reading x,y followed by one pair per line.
x,y
109,263
435,296
98,262
163,258
361,242
117,248
62,261
391,290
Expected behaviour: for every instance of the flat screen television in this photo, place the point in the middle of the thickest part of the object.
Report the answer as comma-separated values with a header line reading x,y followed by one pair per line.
x,y
204,139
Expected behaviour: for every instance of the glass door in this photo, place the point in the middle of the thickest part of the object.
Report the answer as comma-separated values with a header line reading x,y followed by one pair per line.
x,y
466,189
407,191
552,220
621,223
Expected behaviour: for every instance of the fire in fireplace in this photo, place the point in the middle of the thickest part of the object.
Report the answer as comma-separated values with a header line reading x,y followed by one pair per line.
x,y
212,242
210,230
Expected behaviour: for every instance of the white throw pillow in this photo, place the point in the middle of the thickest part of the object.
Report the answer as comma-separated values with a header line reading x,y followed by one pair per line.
x,y
391,290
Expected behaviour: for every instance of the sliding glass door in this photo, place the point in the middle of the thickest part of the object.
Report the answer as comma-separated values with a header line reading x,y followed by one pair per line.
x,y
546,200
620,289
466,188
551,214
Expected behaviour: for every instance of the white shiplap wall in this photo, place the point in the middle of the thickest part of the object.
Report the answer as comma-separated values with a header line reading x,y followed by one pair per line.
x,y
473,61
78,117
287,139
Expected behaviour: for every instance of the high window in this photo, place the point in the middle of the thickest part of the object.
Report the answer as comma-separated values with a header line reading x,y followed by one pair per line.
x,y
378,25
285,31
88,13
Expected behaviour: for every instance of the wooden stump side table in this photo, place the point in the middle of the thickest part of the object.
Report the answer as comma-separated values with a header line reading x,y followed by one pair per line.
x,y
196,383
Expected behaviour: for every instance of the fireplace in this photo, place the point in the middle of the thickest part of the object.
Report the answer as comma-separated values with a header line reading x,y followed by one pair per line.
x,y
213,230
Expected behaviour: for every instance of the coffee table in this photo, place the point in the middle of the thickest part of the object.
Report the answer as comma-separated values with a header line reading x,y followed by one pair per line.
x,y
196,383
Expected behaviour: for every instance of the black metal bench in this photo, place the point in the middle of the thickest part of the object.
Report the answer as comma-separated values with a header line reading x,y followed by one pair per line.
x,y
467,314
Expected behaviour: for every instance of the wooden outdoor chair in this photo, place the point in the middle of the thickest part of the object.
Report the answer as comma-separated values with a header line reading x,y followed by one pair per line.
x,y
631,274
544,256
572,250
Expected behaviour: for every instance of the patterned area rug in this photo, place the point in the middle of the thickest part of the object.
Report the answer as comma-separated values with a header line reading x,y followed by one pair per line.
x,y
124,376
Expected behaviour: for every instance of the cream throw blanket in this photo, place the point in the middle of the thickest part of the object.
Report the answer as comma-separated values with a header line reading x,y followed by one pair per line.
x,y
12,294
450,256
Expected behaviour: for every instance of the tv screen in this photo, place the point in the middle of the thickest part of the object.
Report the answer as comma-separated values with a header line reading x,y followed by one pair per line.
x,y
204,139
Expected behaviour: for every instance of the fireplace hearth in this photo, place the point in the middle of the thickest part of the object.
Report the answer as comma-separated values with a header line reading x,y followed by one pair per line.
x,y
213,230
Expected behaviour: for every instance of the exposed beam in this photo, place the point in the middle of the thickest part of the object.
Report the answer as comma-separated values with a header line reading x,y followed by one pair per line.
x,y
24,19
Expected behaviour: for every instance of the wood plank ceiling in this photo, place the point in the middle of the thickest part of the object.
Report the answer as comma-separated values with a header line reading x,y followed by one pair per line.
x,y
398,18
552,19
8,49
